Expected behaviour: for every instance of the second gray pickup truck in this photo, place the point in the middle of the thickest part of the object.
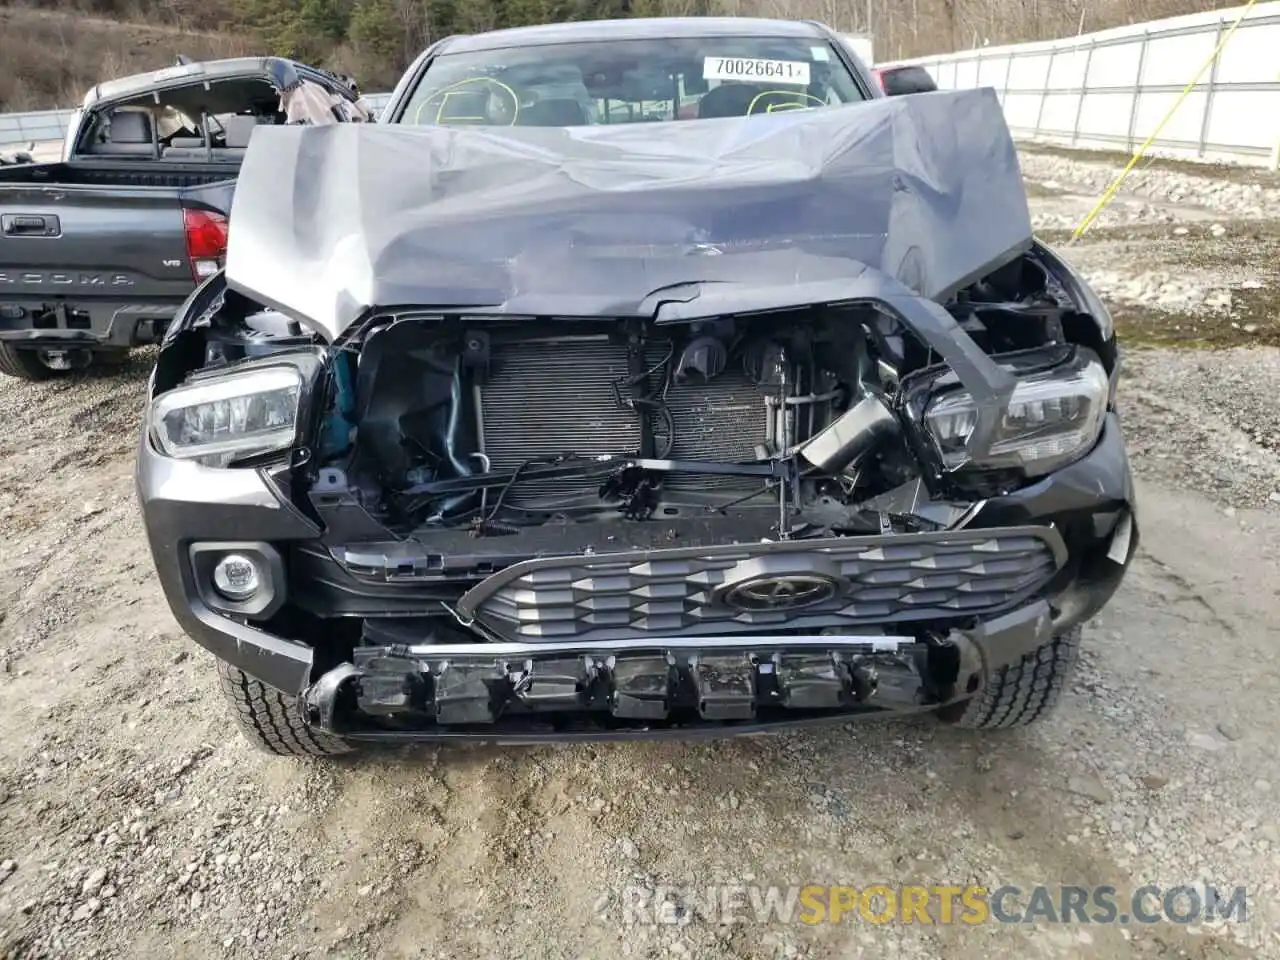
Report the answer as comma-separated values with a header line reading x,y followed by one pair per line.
x,y
97,251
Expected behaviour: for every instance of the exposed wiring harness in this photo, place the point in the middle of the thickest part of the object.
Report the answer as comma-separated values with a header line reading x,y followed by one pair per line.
x,y
655,403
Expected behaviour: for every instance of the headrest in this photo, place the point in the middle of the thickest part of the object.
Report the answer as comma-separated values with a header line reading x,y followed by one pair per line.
x,y
238,130
129,126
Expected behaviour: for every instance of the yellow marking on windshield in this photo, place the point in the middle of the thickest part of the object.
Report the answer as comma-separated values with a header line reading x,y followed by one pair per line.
x,y
453,89
791,95
444,102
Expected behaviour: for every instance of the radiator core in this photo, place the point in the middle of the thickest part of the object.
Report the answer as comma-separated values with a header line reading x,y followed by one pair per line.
x,y
546,398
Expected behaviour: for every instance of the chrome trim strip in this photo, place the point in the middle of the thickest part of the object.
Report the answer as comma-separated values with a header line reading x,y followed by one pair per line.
x,y
873,643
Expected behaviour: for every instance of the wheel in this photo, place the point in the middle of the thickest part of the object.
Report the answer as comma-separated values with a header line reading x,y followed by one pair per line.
x,y
271,721
23,364
1020,693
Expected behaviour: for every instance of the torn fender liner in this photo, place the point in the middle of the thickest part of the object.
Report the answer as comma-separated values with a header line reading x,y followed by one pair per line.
x,y
592,221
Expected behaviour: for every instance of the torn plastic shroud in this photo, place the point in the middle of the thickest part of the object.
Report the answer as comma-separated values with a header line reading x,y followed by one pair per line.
x,y
896,201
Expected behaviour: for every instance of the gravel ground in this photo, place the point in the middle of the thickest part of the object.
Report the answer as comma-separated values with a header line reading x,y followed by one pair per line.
x,y
135,822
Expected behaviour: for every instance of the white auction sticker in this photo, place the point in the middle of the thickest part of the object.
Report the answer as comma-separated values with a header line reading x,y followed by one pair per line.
x,y
747,68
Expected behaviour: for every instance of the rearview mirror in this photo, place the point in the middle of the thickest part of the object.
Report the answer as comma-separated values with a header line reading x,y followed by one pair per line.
x,y
896,81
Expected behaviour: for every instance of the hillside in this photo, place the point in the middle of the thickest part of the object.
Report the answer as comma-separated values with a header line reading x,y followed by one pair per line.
x,y
49,59
50,53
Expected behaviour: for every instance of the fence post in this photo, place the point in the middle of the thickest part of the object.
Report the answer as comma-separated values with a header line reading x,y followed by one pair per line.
x,y
1137,87
1084,88
1008,69
1044,92
1275,147
1208,97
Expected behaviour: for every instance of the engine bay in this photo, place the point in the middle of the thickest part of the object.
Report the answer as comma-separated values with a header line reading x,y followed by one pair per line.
x,y
791,419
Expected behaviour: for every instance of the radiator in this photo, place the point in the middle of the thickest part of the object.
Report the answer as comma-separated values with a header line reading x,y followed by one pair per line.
x,y
722,420
552,397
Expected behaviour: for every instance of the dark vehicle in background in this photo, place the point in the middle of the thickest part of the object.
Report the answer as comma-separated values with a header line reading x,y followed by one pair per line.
x,y
749,401
897,80
98,250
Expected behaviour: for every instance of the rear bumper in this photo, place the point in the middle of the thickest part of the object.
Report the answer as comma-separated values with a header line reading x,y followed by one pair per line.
x,y
1088,506
70,325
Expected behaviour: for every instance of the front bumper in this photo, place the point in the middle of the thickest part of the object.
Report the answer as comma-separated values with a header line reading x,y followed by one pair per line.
x,y
667,686
678,681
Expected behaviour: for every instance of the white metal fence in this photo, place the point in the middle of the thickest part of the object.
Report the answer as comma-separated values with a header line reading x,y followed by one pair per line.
x,y
19,129
1112,88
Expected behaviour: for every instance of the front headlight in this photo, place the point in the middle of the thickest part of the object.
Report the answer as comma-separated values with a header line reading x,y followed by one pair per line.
x,y
1053,417
229,418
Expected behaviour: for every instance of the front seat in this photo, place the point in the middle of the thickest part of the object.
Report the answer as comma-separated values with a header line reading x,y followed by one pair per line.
x,y
728,100
128,135
553,113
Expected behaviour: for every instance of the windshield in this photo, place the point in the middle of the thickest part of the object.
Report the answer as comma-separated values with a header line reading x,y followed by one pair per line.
x,y
630,81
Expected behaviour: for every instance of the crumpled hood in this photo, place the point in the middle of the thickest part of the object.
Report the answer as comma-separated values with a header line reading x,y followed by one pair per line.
x,y
330,221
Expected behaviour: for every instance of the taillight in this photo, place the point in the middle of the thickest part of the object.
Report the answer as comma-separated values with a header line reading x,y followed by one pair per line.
x,y
879,75
206,241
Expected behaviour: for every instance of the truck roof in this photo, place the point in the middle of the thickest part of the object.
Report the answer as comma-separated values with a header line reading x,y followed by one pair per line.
x,y
179,74
636,28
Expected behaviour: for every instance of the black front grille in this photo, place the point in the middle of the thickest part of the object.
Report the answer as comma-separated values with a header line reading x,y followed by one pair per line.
x,y
692,591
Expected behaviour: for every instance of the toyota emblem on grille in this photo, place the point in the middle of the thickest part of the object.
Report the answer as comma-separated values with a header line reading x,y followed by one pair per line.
x,y
781,593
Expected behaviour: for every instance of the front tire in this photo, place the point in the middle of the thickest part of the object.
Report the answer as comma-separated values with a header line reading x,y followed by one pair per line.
x,y
272,721
24,364
1020,693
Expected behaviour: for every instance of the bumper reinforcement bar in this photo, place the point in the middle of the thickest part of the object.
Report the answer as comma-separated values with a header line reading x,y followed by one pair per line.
x,y
662,681
518,692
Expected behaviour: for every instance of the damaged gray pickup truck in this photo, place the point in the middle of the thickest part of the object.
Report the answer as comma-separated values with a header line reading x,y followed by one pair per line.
x,y
537,411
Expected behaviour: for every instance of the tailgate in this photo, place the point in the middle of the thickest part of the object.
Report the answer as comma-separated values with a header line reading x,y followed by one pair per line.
x,y
76,241
85,261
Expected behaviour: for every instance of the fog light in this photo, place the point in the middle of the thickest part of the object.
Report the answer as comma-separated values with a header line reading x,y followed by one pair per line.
x,y
237,577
